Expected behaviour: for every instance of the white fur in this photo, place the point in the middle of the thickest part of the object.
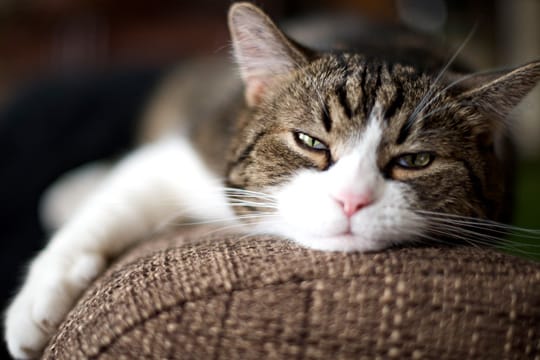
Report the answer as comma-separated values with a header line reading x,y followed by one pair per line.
x,y
149,186
309,214
68,193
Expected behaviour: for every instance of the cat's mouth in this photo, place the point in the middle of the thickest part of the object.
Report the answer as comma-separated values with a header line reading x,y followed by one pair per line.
x,y
344,238
346,235
345,242
341,241
347,231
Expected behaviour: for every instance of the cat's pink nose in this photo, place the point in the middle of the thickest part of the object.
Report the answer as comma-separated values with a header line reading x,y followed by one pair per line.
x,y
351,202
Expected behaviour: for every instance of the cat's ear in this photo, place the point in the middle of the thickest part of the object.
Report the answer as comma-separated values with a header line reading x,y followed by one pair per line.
x,y
261,50
497,93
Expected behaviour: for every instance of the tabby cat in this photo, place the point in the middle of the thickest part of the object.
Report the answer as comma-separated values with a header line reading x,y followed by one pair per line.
x,y
336,150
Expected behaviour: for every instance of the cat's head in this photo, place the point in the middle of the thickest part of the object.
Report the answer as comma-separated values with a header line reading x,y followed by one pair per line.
x,y
343,152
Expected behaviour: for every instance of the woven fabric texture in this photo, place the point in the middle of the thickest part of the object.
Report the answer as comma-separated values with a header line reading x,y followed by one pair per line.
x,y
228,297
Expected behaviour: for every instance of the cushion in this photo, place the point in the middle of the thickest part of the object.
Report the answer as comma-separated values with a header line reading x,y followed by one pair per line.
x,y
199,294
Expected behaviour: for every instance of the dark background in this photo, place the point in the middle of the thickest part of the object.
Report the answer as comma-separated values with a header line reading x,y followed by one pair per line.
x,y
74,75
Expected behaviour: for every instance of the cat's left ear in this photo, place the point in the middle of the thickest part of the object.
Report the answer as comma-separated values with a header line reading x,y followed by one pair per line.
x,y
262,51
497,93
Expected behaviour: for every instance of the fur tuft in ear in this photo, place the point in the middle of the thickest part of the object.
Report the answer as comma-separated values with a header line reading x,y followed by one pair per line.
x,y
261,50
496,94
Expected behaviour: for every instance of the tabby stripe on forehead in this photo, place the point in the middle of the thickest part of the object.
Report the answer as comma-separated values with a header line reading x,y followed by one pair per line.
x,y
343,100
397,102
378,80
370,88
405,130
363,88
369,101
344,64
326,119
341,91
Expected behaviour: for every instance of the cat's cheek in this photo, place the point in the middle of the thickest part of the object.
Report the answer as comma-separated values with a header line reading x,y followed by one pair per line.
x,y
390,221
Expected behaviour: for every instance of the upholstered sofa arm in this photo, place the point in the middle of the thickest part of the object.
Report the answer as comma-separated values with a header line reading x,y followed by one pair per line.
x,y
226,297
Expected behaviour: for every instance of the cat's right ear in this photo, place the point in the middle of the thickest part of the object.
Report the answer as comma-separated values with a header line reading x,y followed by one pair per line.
x,y
496,93
261,50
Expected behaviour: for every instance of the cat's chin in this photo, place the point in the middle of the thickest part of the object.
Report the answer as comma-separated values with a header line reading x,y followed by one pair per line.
x,y
342,242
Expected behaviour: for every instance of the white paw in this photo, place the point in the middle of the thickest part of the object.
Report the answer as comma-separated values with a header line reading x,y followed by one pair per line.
x,y
53,284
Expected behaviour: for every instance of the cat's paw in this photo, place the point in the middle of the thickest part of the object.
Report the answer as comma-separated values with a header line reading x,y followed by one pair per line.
x,y
53,284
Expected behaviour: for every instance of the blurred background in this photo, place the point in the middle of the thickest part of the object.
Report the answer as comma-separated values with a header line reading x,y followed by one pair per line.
x,y
74,74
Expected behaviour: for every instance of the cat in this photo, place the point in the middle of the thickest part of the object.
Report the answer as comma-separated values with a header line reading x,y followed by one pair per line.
x,y
337,151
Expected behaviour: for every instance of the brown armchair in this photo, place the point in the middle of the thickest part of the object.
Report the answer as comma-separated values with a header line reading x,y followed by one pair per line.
x,y
190,295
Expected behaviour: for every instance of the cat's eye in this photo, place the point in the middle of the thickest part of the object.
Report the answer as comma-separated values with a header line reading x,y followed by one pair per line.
x,y
310,141
415,161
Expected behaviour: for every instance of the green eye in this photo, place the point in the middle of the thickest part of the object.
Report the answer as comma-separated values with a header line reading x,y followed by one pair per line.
x,y
310,142
415,161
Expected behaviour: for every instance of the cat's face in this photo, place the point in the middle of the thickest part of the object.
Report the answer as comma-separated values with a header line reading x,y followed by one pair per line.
x,y
349,152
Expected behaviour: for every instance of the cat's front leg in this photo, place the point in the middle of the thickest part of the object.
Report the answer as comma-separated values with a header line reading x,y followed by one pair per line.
x,y
143,191
54,281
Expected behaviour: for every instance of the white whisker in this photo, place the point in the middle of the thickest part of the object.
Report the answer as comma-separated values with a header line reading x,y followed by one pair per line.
x,y
478,221
422,104
478,232
233,219
236,226
252,204
436,110
243,191
455,83
487,227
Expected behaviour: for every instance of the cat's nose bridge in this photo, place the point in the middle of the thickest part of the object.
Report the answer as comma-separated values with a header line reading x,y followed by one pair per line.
x,y
355,182
358,166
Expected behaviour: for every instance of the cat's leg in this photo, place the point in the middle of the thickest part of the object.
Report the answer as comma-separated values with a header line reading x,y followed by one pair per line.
x,y
67,194
146,188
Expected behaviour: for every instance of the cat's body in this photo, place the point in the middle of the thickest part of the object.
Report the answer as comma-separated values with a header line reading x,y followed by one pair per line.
x,y
336,151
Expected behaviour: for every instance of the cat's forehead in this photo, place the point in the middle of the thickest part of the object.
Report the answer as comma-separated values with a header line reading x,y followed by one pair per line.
x,y
357,82
334,68
345,89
